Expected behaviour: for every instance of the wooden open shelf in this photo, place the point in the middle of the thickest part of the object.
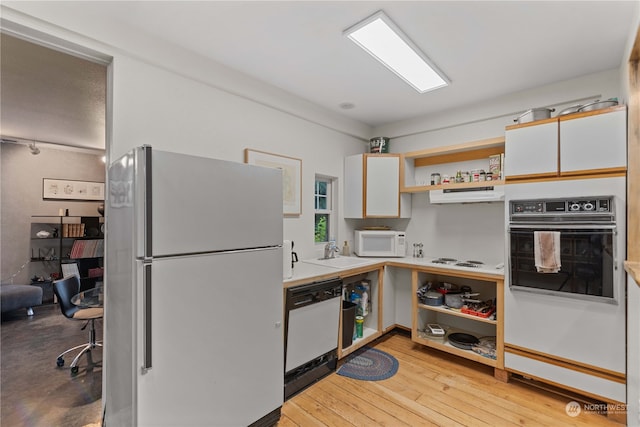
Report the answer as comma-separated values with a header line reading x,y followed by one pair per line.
x,y
445,345
475,150
452,312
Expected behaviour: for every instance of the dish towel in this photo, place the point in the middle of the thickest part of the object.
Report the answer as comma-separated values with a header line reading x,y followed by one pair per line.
x,y
546,249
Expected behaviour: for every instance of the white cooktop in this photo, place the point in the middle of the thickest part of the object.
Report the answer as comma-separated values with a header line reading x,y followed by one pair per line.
x,y
452,263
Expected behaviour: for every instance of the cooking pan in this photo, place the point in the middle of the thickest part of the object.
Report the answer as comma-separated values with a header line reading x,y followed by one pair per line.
x,y
534,114
597,105
457,299
462,340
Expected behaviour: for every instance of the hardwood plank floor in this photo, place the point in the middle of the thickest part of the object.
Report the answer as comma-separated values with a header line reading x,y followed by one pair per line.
x,y
430,388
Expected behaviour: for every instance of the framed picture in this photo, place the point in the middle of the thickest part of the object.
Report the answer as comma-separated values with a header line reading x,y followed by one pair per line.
x,y
291,177
65,189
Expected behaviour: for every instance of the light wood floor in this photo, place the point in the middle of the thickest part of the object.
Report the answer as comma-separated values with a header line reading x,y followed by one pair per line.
x,y
430,388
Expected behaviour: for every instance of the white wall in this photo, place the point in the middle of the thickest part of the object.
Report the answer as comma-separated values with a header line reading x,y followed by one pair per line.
x,y
172,100
477,230
21,186
165,97
171,112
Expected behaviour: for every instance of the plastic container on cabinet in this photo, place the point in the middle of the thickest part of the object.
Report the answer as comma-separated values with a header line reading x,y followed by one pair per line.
x,y
348,323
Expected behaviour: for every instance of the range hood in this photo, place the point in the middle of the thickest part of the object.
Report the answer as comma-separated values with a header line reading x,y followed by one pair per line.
x,y
493,193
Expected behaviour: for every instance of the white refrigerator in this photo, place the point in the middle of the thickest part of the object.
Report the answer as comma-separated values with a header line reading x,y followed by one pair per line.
x,y
193,292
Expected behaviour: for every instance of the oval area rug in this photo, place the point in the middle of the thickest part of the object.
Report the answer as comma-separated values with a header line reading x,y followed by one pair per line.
x,y
369,364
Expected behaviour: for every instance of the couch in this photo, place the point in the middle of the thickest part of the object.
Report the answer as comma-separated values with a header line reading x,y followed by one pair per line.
x,y
14,297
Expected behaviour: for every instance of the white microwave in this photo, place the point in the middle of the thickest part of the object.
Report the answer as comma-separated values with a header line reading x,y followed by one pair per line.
x,y
380,243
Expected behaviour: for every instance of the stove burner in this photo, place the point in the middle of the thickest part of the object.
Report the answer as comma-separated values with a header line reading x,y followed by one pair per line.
x,y
474,262
467,264
444,261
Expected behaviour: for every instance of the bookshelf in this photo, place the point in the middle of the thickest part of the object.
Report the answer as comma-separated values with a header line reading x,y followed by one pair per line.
x,y
75,240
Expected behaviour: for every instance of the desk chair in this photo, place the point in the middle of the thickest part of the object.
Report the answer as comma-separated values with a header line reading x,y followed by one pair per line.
x,y
65,289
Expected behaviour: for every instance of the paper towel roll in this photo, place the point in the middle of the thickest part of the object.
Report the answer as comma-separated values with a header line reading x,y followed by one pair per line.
x,y
287,264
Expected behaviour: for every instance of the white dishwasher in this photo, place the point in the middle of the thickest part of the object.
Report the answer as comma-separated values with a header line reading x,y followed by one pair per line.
x,y
312,316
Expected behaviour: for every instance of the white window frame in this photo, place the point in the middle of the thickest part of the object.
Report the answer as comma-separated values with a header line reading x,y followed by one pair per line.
x,y
331,211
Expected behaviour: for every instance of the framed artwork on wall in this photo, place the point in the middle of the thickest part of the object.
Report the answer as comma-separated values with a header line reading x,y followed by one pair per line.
x,y
291,177
66,189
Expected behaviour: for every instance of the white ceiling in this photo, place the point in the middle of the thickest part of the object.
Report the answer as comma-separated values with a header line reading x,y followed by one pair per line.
x,y
487,49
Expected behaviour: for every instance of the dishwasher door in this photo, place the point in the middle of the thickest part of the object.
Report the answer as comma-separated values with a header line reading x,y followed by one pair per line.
x,y
312,322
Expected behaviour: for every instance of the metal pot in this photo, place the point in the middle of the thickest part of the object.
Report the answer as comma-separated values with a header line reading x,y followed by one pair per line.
x,y
597,105
570,110
458,299
454,299
534,114
434,298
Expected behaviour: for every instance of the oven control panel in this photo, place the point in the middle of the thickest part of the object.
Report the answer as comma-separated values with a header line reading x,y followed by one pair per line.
x,y
560,206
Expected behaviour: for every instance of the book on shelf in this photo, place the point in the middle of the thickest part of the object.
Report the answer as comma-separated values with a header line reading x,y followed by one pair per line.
x,y
95,272
73,230
93,248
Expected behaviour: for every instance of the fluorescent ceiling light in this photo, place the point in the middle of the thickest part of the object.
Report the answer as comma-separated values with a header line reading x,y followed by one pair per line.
x,y
383,40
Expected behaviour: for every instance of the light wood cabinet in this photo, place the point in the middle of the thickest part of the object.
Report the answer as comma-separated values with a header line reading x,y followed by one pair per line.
x,y
372,187
489,287
576,145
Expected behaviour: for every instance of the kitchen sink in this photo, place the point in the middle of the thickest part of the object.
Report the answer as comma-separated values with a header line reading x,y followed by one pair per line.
x,y
339,262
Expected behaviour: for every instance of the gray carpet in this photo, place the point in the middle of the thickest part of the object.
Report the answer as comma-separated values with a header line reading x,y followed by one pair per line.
x,y
34,391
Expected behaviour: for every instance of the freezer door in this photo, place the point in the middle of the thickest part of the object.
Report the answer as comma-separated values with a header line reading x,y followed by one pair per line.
x,y
217,340
201,204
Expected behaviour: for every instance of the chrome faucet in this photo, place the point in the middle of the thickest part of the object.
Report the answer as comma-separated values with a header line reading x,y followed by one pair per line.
x,y
330,250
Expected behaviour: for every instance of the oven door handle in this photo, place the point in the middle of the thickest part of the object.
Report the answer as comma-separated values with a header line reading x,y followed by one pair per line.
x,y
545,226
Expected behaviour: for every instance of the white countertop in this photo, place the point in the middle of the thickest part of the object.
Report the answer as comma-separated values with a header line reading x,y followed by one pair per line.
x,y
309,270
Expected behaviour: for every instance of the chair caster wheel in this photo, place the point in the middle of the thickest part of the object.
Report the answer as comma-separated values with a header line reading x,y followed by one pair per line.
x,y
60,362
74,370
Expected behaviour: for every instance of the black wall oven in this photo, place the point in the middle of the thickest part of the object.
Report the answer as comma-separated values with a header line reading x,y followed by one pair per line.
x,y
586,231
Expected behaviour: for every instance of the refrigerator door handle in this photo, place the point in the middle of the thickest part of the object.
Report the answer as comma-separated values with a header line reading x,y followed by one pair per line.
x,y
147,342
148,203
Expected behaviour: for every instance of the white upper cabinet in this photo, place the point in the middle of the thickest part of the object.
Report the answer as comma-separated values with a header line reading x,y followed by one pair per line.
x,y
382,197
372,187
594,142
531,150
580,144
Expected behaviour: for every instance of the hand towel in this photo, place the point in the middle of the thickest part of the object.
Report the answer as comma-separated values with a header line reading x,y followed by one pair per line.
x,y
546,249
